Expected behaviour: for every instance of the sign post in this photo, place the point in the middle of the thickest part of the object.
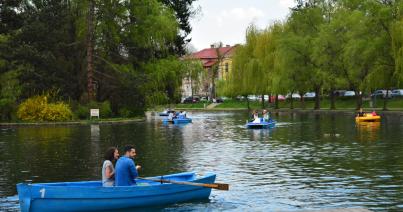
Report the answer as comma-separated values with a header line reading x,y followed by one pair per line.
x,y
94,113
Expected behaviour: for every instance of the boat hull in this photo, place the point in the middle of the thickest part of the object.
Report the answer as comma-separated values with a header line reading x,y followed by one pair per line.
x,y
261,125
91,196
178,121
368,119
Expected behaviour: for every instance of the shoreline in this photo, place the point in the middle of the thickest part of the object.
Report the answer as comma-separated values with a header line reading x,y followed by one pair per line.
x,y
81,122
299,110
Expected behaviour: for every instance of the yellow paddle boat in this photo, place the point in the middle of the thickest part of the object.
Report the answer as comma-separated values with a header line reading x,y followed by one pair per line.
x,y
368,118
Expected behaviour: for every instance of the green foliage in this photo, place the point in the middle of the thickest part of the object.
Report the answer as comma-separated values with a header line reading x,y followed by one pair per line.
x,y
45,42
37,108
322,46
83,111
126,113
165,78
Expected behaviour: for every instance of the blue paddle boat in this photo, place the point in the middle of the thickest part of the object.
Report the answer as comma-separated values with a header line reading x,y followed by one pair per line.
x,y
262,125
92,196
179,120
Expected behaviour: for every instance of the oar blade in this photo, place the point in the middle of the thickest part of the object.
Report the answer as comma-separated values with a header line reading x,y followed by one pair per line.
x,y
222,186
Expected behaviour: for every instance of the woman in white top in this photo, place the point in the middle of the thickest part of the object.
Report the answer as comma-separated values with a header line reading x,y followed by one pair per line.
x,y
256,118
108,169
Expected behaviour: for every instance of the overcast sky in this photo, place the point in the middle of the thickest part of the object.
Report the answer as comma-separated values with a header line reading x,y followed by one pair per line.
x,y
226,20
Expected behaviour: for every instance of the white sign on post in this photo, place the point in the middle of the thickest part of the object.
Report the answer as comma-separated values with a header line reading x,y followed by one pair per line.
x,y
94,112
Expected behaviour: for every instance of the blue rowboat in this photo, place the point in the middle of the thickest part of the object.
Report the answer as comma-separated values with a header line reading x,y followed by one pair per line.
x,y
179,120
92,196
182,120
262,125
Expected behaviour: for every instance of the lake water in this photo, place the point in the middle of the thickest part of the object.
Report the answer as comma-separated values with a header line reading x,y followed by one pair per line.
x,y
308,161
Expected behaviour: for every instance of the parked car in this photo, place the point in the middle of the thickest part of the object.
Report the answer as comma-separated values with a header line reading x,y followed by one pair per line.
x,y
339,92
294,96
349,93
309,95
219,100
239,98
397,93
280,98
191,99
253,97
382,94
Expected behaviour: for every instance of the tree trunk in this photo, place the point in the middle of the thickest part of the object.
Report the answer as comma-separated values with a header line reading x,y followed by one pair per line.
x,y
317,98
90,50
302,101
212,88
276,103
332,99
247,102
291,102
385,101
359,100
262,101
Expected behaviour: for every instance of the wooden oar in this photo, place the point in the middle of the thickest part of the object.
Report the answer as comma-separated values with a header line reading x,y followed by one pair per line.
x,y
219,186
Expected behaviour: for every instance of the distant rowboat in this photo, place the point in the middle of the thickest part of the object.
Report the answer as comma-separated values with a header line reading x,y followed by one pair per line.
x,y
92,196
262,125
179,120
368,118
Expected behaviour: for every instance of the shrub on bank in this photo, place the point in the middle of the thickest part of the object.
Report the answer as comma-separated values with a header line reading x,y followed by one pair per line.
x,y
37,108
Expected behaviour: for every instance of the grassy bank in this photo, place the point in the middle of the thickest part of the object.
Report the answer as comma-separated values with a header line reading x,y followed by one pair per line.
x,y
76,122
341,104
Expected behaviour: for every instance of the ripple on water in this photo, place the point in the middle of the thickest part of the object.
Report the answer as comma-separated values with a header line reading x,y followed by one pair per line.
x,y
305,162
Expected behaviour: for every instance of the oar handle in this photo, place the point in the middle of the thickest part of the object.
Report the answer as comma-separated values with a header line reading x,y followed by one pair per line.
x,y
219,186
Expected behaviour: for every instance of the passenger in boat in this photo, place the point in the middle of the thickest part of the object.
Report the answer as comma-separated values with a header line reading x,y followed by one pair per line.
x,y
265,115
374,113
126,170
361,113
183,114
256,118
170,116
108,170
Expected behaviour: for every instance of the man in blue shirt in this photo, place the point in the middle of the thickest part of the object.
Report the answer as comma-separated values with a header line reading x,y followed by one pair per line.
x,y
126,170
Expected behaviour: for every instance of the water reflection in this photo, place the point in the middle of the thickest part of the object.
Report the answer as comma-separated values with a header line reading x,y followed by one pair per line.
x,y
308,161
368,131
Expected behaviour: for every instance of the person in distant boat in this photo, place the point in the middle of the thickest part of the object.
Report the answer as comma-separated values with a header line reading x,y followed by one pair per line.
x,y
170,116
108,170
183,114
374,113
266,115
126,170
256,118
361,113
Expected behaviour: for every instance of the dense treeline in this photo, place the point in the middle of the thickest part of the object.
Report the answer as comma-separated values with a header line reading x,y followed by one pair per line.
x,y
323,46
133,44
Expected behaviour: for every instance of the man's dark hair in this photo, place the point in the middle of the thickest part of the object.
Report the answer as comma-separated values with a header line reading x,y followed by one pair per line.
x,y
128,148
110,154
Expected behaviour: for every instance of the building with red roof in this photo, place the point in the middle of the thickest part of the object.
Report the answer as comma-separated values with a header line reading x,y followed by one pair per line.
x,y
210,58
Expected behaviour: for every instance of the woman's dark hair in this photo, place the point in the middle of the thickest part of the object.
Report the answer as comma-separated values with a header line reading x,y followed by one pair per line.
x,y
109,154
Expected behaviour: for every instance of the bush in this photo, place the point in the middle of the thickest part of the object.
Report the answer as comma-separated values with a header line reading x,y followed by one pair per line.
x,y
38,108
105,109
125,113
82,112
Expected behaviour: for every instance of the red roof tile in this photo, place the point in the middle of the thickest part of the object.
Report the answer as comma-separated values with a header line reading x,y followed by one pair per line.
x,y
211,53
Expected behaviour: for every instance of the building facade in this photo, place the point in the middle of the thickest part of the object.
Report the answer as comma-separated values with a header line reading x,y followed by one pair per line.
x,y
216,61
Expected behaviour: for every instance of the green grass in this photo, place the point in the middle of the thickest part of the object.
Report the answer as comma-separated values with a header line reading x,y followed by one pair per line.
x,y
309,104
240,104
341,104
